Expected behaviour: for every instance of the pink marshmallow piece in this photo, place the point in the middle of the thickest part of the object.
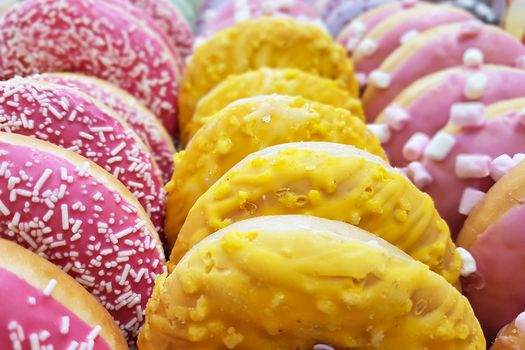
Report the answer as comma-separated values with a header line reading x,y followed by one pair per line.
x,y
467,114
396,117
414,147
469,199
500,166
419,175
472,166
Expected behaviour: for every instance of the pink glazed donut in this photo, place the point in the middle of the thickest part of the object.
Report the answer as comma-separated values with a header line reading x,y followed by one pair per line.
x,y
74,214
493,235
388,35
424,108
466,157
44,308
143,122
238,10
97,38
436,49
71,119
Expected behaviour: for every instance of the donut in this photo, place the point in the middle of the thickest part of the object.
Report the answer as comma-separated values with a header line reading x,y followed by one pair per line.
x,y
329,180
79,217
71,119
239,10
143,122
264,42
300,282
247,126
388,35
106,42
436,49
512,335
424,107
264,81
44,308
169,19
469,158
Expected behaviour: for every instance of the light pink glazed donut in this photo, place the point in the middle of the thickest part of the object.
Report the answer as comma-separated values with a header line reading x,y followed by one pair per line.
x,y
44,308
238,10
433,50
96,38
424,108
388,35
74,214
466,158
143,122
71,119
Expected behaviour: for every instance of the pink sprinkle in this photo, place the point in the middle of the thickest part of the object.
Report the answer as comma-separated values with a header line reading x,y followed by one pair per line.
x,y
414,147
469,199
500,166
520,323
470,166
396,117
467,114
419,175
470,28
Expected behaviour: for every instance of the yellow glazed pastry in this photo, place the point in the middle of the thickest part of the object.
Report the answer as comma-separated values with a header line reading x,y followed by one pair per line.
x,y
265,81
264,42
332,181
249,125
294,282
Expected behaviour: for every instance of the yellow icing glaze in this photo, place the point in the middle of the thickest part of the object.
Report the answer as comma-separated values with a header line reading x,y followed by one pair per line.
x,y
247,126
291,285
265,81
331,181
263,42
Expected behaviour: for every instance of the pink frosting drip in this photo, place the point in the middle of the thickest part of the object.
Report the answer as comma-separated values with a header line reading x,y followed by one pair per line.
x,y
67,216
70,120
504,135
497,289
96,38
442,52
226,15
20,320
144,124
436,16
430,111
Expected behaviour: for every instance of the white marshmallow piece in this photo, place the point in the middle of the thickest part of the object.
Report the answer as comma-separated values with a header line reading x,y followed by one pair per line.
x,y
439,146
473,57
500,166
357,27
518,157
469,265
382,131
379,79
472,166
367,47
419,175
520,323
467,114
414,147
475,86
352,43
411,34
396,117
469,199
471,28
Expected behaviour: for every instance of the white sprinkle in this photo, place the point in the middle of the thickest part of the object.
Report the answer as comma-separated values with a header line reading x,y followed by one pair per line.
x,y
86,136
94,333
475,86
106,251
75,237
76,226
72,116
124,275
55,112
13,104
440,146
469,263
73,345
65,216
43,178
31,300
97,196
25,236
64,325
117,149
3,209
124,233
33,339
50,286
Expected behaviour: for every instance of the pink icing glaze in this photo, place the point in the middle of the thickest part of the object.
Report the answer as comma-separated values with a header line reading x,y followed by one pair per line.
x,y
497,289
233,11
439,52
83,227
430,111
399,25
503,135
142,121
20,319
87,129
96,38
